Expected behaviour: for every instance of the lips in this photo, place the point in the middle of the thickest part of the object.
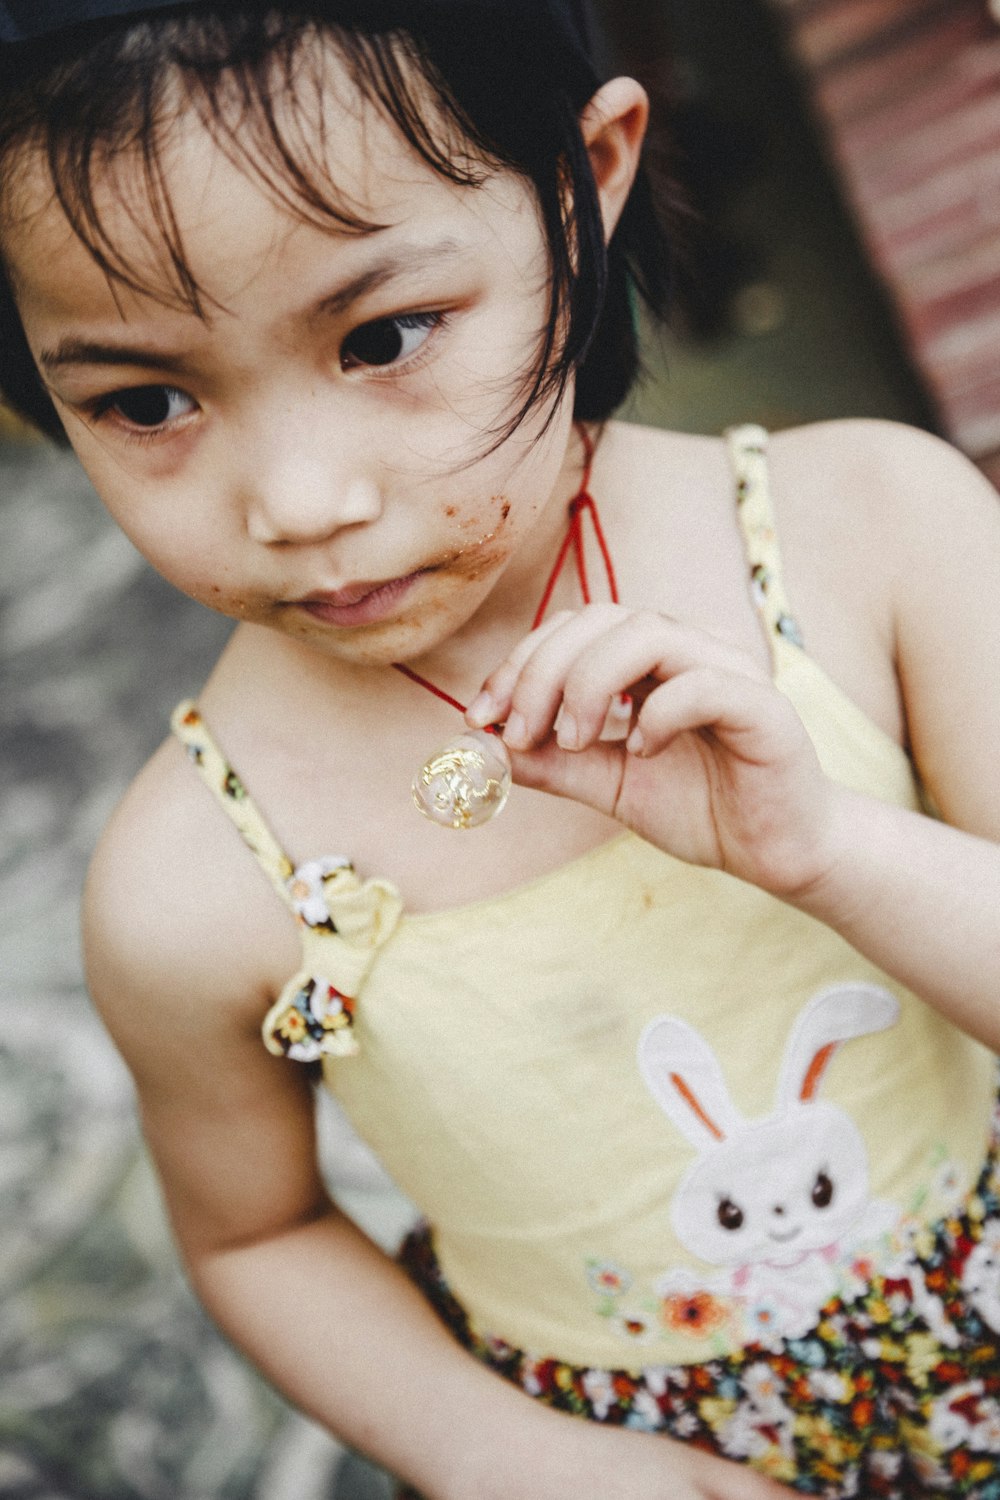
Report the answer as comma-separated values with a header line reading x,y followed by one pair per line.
x,y
357,603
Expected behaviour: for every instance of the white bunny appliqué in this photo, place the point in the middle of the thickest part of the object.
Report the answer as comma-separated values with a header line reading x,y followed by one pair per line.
x,y
777,1201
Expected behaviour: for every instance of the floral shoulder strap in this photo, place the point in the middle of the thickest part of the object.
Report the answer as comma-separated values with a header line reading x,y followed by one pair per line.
x,y
747,447
344,921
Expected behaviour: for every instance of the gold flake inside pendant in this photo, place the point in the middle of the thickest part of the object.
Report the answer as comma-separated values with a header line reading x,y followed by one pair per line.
x,y
465,784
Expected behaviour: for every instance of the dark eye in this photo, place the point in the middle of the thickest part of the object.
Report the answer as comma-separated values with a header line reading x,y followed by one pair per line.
x,y
729,1214
149,405
822,1193
387,340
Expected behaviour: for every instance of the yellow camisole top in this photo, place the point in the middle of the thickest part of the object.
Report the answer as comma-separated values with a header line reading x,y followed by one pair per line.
x,y
651,1113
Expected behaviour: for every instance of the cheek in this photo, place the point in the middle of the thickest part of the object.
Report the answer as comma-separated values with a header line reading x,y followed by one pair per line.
x,y
480,537
183,547
495,545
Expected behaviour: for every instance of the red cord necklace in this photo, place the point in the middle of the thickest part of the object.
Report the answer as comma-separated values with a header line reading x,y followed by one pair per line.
x,y
467,783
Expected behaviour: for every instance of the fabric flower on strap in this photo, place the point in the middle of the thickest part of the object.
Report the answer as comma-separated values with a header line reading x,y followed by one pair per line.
x,y
343,920
346,921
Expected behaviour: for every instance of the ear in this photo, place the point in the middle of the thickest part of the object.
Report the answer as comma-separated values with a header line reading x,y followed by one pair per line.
x,y
613,126
684,1077
831,1017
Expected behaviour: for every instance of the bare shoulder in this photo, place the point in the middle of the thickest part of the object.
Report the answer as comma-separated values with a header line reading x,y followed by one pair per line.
x,y
884,475
182,931
861,458
897,515
905,531
186,943
860,492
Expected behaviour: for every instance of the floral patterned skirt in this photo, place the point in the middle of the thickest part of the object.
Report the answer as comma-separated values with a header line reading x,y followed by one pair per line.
x,y
879,1401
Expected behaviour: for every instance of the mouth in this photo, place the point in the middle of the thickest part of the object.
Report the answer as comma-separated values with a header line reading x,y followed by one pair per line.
x,y
783,1239
357,603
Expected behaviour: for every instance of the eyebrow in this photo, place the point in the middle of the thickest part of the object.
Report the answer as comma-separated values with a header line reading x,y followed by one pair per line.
x,y
83,352
401,261
78,351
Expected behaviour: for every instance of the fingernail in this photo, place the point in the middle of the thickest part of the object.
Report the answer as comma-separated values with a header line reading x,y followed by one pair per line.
x,y
567,731
635,744
481,711
515,732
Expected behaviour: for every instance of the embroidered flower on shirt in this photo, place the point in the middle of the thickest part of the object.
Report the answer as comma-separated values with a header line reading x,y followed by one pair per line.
x,y
696,1314
763,1320
608,1278
636,1326
950,1183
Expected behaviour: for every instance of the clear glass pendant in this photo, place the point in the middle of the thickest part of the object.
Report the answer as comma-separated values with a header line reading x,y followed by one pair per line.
x,y
465,784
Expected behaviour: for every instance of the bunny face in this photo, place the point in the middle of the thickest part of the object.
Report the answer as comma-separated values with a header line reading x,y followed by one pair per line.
x,y
783,1187
772,1190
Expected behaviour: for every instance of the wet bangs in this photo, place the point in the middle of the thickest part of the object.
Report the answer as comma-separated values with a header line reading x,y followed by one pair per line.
x,y
473,90
260,85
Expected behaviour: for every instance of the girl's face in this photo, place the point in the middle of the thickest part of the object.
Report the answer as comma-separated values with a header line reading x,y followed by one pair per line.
x,y
309,455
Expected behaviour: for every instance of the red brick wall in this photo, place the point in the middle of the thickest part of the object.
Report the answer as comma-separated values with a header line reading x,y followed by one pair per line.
x,y
907,94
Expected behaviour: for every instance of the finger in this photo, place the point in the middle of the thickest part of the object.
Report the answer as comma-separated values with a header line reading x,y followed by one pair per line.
x,y
594,778
491,704
526,690
633,654
750,717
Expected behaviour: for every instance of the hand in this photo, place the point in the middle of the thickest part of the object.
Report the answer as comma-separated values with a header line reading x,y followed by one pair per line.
x,y
717,769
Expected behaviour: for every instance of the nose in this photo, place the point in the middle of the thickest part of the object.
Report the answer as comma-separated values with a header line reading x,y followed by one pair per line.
x,y
303,487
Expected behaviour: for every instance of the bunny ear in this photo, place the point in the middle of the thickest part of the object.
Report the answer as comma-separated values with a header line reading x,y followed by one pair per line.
x,y
684,1077
832,1016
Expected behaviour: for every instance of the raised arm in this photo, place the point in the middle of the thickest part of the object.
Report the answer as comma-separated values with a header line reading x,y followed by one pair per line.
x,y
920,897
182,982
719,770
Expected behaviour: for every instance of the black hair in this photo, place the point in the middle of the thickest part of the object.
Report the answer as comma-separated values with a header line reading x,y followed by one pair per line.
x,y
506,93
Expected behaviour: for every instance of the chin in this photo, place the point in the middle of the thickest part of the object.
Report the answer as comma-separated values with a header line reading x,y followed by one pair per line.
x,y
369,647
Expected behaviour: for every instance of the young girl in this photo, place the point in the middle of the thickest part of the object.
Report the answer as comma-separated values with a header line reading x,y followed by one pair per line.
x,y
686,1056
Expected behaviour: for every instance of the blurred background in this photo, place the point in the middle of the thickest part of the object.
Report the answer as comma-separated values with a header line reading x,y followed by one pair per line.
x,y
841,161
